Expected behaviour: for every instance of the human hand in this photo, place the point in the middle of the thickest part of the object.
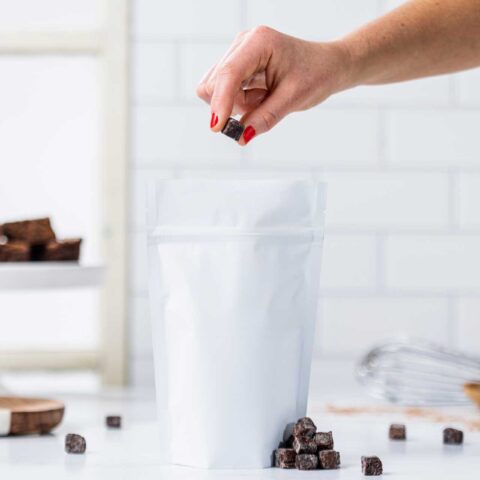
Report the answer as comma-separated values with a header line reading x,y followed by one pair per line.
x,y
265,75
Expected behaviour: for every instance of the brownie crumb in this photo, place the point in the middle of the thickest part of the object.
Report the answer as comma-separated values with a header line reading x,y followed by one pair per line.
x,y
113,421
372,466
306,461
397,432
304,428
285,458
324,440
75,443
452,436
233,129
329,459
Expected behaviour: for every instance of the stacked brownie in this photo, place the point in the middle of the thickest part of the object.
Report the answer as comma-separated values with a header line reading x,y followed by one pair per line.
x,y
304,448
35,240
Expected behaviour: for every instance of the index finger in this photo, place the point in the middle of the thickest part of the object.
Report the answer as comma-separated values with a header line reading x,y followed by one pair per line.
x,y
243,63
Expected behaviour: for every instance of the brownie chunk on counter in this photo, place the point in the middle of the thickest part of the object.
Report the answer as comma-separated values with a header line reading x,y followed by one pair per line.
x,y
397,431
113,421
285,458
233,129
306,461
33,232
14,252
75,443
372,466
452,436
57,251
304,428
329,459
324,440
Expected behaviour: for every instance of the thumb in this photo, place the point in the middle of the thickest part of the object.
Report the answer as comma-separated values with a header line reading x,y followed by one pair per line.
x,y
273,109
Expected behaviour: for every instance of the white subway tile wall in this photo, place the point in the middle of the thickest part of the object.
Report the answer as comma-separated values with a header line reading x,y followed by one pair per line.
x,y
402,249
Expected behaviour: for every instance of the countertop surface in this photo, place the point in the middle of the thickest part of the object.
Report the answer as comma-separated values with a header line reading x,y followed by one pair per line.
x,y
133,451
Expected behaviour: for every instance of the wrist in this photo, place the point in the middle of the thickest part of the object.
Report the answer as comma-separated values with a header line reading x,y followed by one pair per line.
x,y
350,65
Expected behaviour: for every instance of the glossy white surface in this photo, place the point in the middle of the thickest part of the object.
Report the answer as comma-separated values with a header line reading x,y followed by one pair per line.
x,y
133,452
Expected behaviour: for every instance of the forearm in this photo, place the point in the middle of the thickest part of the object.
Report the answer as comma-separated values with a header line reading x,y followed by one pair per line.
x,y
420,38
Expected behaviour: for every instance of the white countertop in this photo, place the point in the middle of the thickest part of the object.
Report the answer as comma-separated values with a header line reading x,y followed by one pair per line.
x,y
133,451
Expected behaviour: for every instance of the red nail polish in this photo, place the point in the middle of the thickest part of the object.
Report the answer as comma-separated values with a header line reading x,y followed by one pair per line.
x,y
248,134
213,120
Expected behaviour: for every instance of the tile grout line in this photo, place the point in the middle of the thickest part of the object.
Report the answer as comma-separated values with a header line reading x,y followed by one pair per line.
x,y
452,321
178,72
382,137
454,200
453,92
380,271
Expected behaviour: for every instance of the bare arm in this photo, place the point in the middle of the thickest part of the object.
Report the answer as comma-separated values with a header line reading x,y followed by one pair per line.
x,y
265,74
418,39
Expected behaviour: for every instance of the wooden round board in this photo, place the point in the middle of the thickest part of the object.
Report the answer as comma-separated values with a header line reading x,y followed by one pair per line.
x,y
473,392
22,416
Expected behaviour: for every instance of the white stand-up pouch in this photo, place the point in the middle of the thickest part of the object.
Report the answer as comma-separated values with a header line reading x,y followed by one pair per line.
x,y
234,271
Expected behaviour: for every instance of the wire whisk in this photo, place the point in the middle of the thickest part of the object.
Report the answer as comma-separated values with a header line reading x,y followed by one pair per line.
x,y
415,372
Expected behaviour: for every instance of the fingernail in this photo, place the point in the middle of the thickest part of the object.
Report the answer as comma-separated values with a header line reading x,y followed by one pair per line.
x,y
248,134
213,120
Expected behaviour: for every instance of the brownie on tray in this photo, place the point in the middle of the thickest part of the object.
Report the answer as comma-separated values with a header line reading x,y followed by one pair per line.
x,y
14,252
57,251
33,232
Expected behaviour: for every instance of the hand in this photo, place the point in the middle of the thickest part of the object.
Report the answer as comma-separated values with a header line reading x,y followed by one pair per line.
x,y
265,75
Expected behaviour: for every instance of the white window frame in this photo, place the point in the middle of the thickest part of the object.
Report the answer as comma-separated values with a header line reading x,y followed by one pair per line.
x,y
110,44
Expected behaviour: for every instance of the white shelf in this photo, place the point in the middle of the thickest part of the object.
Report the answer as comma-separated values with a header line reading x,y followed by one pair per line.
x,y
32,275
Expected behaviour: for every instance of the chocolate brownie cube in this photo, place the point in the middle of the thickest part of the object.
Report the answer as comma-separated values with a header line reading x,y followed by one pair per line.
x,y
233,129
372,466
304,445
329,459
33,232
113,421
324,440
285,458
397,431
306,461
452,436
75,443
304,428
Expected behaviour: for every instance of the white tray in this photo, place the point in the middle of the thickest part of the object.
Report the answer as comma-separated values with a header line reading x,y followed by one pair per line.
x,y
33,275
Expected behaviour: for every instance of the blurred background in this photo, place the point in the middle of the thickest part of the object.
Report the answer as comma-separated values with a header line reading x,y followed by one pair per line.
x,y
98,97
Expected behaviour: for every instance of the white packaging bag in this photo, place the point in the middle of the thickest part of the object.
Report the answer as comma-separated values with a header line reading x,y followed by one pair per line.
x,y
233,277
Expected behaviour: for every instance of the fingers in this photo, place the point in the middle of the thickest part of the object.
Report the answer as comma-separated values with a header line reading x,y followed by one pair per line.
x,y
205,87
240,66
268,113
249,81
247,100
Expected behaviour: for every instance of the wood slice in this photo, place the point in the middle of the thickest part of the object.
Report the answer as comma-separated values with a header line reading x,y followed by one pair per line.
x,y
473,392
32,415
